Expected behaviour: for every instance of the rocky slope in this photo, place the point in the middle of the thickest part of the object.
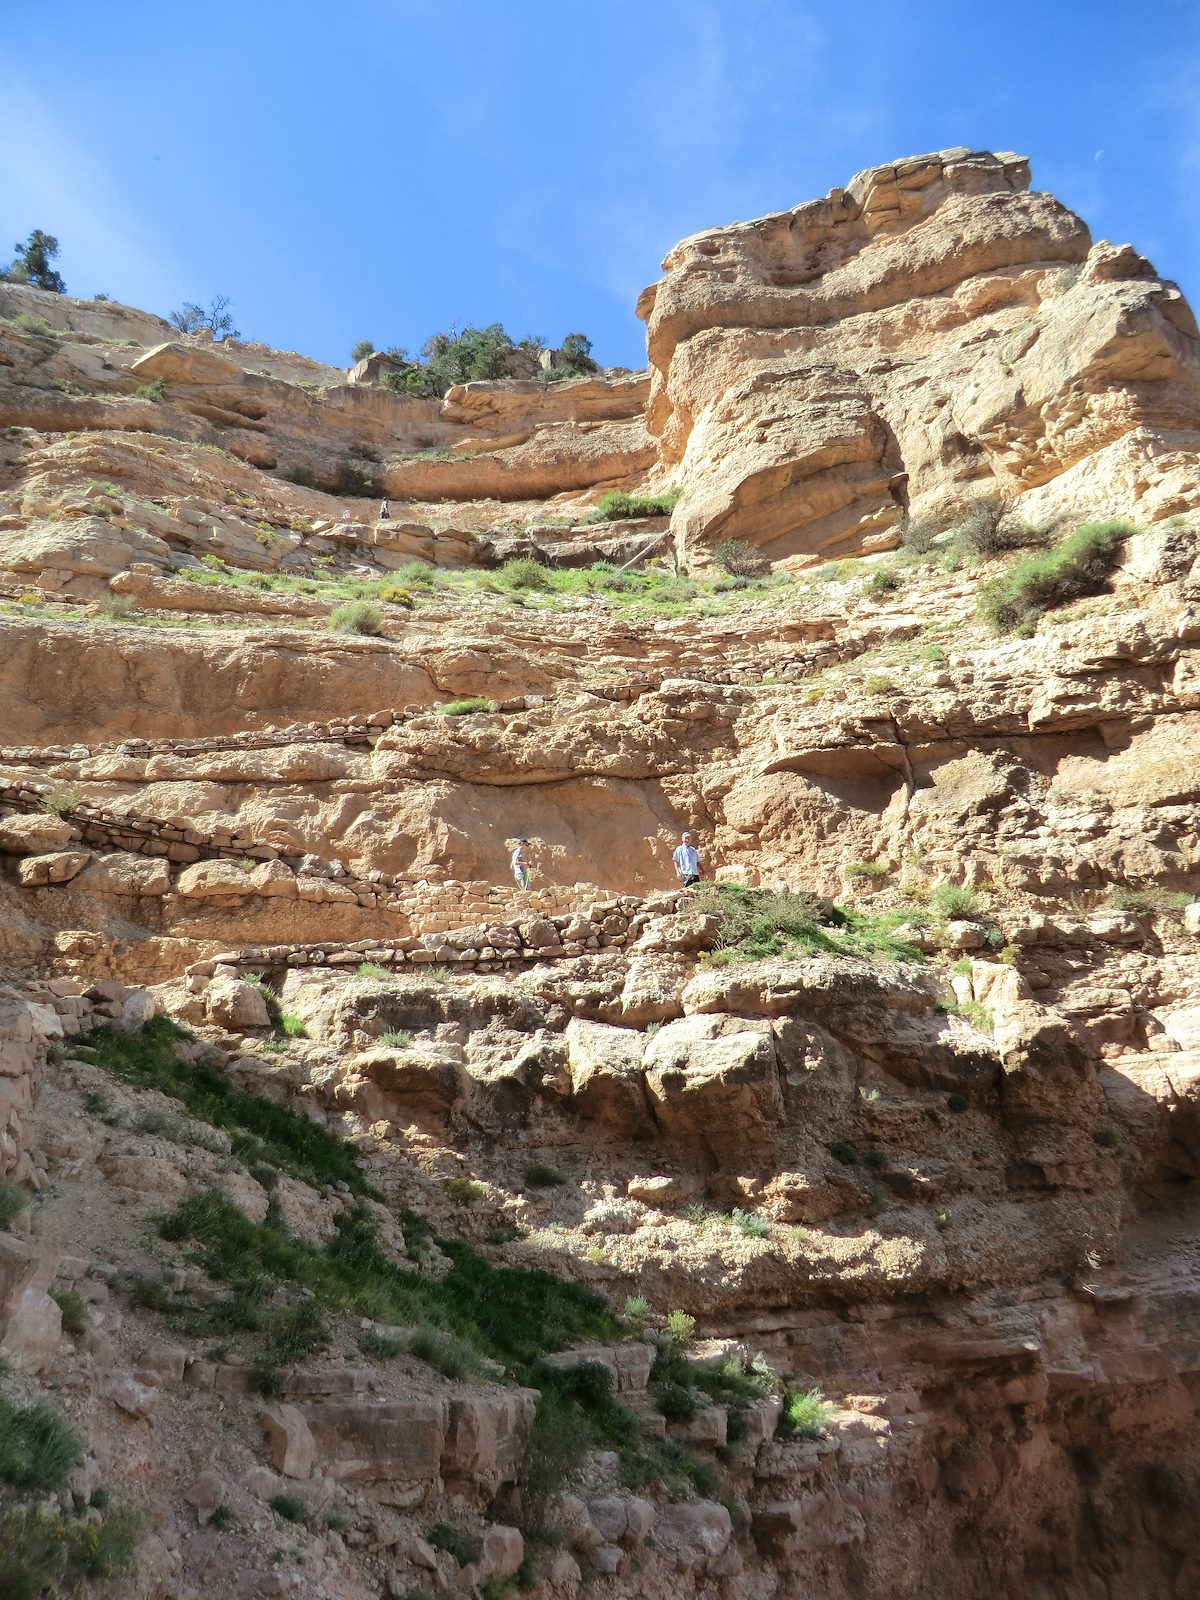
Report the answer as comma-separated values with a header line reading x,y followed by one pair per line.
x,y
380,1229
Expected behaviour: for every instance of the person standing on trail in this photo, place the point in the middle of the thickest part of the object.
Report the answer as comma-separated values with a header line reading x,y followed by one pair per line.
x,y
384,512
687,861
520,864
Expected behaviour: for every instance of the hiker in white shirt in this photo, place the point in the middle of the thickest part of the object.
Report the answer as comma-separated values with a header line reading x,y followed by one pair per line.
x,y
520,864
687,861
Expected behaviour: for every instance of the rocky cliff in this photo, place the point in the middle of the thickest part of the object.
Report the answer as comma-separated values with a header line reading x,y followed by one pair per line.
x,y
369,1226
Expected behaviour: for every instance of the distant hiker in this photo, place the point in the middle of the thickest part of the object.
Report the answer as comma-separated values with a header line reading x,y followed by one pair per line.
x,y
520,864
384,513
687,861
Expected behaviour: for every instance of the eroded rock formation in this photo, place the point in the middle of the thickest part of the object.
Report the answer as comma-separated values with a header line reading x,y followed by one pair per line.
x,y
913,1126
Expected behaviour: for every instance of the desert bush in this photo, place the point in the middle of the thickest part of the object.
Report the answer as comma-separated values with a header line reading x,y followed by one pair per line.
x,y
61,799
464,1191
38,1446
739,559
12,1202
116,607
369,969
44,1554
357,616
156,390
28,323
289,1506
540,1176
680,1327
357,476
396,1038
215,319
1077,565
362,349
523,572
445,1353
394,595
73,1308
637,1311
951,902
675,1402
456,1542
806,1414
294,1027
957,1102
558,1446
617,506
468,707
749,1223
1151,901
866,869
381,1346
574,357
988,528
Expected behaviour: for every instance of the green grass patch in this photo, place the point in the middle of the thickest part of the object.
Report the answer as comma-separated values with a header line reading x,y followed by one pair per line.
x,y
73,1308
1151,901
38,1446
357,616
806,1414
149,1058
12,1202
468,707
616,506
1076,566
46,1556
758,923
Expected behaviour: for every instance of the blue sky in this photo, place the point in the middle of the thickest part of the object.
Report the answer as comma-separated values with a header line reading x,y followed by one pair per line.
x,y
383,168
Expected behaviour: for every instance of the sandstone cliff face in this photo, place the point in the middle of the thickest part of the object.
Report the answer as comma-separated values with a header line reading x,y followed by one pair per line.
x,y
925,1141
930,333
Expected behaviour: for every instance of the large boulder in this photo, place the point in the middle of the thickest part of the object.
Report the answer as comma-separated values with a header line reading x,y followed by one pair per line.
x,y
35,832
122,873
607,1082
713,1080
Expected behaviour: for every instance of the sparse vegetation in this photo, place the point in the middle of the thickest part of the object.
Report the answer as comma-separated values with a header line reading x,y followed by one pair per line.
x,y
469,707
749,1223
738,559
637,1311
617,506
396,1039
756,923
155,390
806,1414
1077,565
370,970
953,903
1151,901
150,1057
73,1308
357,616
61,799
44,1553
540,1176
465,1191
289,1507
680,1328
12,1202
216,319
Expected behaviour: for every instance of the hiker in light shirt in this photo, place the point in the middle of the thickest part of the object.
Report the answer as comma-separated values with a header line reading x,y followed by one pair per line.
x,y
520,864
687,861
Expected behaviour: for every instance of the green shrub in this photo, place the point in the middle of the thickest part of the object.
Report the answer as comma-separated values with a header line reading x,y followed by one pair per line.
x,y
380,1346
464,1191
61,799
738,559
38,1446
878,683
289,1506
393,595
44,1555
357,616
756,923
155,390
457,1542
28,323
73,1308
357,477
1107,1137
616,506
445,1352
884,580
747,1222
953,903
866,869
361,350
294,1027
675,1402
681,1327
957,1102
806,1415
1077,565
843,1152
469,707
540,1176
559,1442
370,970
149,1057
637,1311
523,572
116,607
12,1202
396,1039
1152,901
988,529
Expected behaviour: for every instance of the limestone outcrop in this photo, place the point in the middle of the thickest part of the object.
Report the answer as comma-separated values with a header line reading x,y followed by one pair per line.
x,y
372,1223
931,333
